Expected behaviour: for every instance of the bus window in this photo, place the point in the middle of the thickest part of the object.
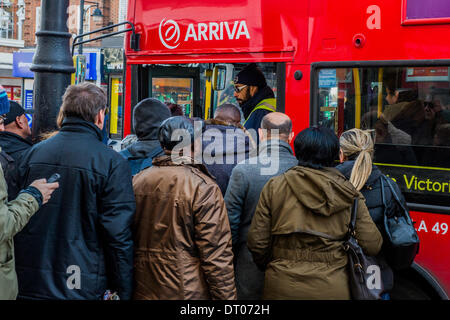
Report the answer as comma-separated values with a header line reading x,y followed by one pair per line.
x,y
408,111
190,85
174,90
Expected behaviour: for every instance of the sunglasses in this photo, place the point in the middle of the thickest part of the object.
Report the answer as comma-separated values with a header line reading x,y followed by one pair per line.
x,y
239,89
429,105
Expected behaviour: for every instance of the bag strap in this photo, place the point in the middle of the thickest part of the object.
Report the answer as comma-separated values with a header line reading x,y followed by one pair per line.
x,y
383,196
351,226
394,193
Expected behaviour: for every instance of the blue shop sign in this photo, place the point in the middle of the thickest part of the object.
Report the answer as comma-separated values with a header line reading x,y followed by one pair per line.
x,y
28,99
327,78
91,66
22,62
30,119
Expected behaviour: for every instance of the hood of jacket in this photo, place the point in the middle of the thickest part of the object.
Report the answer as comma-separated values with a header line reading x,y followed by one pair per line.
x,y
141,149
147,118
249,105
320,191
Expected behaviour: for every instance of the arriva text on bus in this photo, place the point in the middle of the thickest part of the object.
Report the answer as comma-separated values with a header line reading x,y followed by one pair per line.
x,y
169,31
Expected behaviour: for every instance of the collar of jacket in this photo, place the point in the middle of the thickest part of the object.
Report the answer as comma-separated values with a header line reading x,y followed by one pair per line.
x,y
215,122
270,144
250,104
168,160
74,124
347,166
142,148
10,136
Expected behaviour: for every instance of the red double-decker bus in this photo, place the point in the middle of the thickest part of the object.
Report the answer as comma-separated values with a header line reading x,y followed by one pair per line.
x,y
378,64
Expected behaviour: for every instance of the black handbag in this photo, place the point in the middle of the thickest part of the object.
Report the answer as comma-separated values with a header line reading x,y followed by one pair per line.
x,y
364,271
403,244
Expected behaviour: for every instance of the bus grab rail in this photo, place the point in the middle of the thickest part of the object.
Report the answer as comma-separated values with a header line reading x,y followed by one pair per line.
x,y
134,40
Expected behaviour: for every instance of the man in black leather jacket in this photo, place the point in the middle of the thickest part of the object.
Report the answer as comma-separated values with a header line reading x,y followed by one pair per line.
x,y
80,244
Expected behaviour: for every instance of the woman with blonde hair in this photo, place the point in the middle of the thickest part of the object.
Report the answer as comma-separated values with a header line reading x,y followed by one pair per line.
x,y
356,153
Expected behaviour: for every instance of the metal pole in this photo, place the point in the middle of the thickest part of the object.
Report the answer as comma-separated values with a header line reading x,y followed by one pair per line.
x,y
52,65
80,47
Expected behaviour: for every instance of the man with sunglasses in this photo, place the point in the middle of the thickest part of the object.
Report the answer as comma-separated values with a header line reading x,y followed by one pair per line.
x,y
254,96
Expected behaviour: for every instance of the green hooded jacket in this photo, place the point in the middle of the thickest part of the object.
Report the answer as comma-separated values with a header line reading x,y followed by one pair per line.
x,y
14,215
293,234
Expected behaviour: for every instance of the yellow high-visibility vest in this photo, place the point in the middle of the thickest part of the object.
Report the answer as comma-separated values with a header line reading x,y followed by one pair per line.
x,y
266,104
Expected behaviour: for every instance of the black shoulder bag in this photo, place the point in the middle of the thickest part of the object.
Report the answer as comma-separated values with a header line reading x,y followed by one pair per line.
x,y
364,271
403,244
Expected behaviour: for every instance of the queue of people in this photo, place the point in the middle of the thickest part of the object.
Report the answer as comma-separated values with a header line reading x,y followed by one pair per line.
x,y
158,221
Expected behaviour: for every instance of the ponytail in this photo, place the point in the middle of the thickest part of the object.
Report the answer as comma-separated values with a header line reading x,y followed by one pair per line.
x,y
357,143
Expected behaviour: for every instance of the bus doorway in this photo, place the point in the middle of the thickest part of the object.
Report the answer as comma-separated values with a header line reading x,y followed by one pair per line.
x,y
195,87
178,85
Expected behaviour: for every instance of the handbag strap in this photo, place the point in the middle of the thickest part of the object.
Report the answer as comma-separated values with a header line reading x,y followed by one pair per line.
x,y
351,227
394,193
383,197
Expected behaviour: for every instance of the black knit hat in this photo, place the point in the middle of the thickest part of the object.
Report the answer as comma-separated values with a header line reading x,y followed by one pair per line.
x,y
251,75
15,111
147,117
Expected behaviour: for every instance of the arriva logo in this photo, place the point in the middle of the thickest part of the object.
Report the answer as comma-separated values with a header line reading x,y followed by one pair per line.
x,y
172,30
169,32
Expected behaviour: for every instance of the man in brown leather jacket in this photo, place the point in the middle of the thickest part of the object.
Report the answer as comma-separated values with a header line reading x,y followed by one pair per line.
x,y
182,233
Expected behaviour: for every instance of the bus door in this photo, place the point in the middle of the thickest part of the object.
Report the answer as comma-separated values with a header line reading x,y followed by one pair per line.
x,y
116,103
177,85
194,88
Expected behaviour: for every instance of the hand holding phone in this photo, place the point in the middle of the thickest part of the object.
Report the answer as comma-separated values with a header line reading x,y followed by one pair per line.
x,y
54,177
46,188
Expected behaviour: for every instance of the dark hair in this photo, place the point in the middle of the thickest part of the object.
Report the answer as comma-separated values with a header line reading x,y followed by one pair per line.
x,y
175,109
170,125
83,100
316,147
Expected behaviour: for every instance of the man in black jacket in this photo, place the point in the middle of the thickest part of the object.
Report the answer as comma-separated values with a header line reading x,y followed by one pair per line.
x,y
80,244
147,117
15,141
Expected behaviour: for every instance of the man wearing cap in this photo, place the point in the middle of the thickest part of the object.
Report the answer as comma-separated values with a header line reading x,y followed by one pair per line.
x,y
16,139
15,214
255,98
147,117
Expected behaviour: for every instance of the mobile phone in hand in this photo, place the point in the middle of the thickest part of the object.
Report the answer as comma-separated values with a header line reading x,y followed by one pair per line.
x,y
54,177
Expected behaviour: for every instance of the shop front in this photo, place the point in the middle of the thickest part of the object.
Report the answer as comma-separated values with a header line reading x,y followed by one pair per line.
x,y
113,82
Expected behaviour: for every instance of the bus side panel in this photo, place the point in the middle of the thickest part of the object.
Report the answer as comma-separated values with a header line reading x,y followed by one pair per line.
x,y
127,110
297,96
434,235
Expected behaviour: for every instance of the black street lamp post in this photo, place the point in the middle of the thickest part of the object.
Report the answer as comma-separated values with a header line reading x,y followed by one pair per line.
x,y
52,65
97,13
